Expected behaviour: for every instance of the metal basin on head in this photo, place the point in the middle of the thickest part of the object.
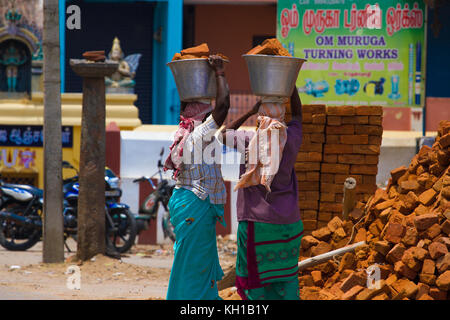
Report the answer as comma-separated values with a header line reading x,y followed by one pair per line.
x,y
194,79
272,76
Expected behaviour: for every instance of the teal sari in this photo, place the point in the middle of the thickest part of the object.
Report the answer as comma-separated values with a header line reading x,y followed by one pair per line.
x,y
196,269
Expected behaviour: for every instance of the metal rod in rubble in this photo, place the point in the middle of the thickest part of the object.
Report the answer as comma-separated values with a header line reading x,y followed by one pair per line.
x,y
349,200
314,261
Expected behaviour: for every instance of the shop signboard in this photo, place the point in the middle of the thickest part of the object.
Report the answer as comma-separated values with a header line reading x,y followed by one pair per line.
x,y
358,52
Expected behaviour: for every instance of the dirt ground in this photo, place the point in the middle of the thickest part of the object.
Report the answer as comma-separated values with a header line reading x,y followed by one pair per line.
x,y
142,273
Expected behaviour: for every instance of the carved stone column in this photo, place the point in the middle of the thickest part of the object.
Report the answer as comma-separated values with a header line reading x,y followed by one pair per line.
x,y
91,199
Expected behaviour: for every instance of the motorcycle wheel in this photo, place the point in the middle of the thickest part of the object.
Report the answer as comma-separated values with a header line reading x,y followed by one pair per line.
x,y
123,238
167,226
13,233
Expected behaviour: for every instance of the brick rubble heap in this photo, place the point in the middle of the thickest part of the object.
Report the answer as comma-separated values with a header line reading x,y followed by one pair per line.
x,y
407,232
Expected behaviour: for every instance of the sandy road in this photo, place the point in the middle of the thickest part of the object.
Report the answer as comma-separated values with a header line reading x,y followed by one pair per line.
x,y
141,274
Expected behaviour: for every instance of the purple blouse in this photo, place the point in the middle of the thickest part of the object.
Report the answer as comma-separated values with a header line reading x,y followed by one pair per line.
x,y
281,205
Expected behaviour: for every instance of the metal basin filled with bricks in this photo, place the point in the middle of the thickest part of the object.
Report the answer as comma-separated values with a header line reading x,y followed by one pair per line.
x,y
273,76
194,79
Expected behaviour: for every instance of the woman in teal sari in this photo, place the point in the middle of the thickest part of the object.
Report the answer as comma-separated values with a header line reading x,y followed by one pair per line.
x,y
199,196
196,267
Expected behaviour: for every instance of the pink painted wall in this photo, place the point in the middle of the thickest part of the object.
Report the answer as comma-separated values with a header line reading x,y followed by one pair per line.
x,y
399,118
229,29
437,109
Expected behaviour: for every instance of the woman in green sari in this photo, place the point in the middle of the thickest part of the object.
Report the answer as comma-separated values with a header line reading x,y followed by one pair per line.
x,y
270,229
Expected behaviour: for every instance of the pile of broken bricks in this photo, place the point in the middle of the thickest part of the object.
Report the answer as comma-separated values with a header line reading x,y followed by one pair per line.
x,y
406,228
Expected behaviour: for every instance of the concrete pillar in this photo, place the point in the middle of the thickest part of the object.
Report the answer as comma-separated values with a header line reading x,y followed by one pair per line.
x,y
53,233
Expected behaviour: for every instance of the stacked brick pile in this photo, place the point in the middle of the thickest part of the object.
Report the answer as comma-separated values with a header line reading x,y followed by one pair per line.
x,y
338,142
351,149
308,162
407,231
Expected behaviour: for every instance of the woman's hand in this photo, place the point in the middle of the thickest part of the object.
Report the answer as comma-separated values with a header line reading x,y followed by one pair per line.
x,y
216,62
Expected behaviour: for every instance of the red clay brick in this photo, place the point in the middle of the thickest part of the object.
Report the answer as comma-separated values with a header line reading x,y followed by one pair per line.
x,y
354,139
338,148
310,224
404,270
427,197
428,266
444,141
396,253
335,168
332,139
376,120
309,157
334,120
317,137
369,130
369,159
308,186
437,250
369,110
333,207
330,158
307,166
344,129
327,177
311,147
325,216
330,188
376,140
314,108
309,214
308,204
318,118
355,120
327,197
307,117
363,169
341,110
365,149
425,221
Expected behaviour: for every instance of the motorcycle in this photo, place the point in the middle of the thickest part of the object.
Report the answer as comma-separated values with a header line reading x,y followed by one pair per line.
x,y
161,195
121,227
20,216
22,208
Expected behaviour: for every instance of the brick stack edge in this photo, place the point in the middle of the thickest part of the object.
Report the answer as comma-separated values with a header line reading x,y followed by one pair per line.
x,y
308,163
338,142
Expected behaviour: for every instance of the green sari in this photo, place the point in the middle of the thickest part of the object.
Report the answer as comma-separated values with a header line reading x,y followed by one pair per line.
x,y
267,261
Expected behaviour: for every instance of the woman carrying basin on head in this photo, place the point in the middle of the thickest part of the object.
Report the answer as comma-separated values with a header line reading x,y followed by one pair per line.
x,y
199,196
270,229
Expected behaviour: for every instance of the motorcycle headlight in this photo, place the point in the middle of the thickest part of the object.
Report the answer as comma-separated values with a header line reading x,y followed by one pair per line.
x,y
114,183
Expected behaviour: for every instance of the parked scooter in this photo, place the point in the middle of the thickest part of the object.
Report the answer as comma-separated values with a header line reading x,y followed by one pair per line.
x,y
22,207
120,222
149,208
20,216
